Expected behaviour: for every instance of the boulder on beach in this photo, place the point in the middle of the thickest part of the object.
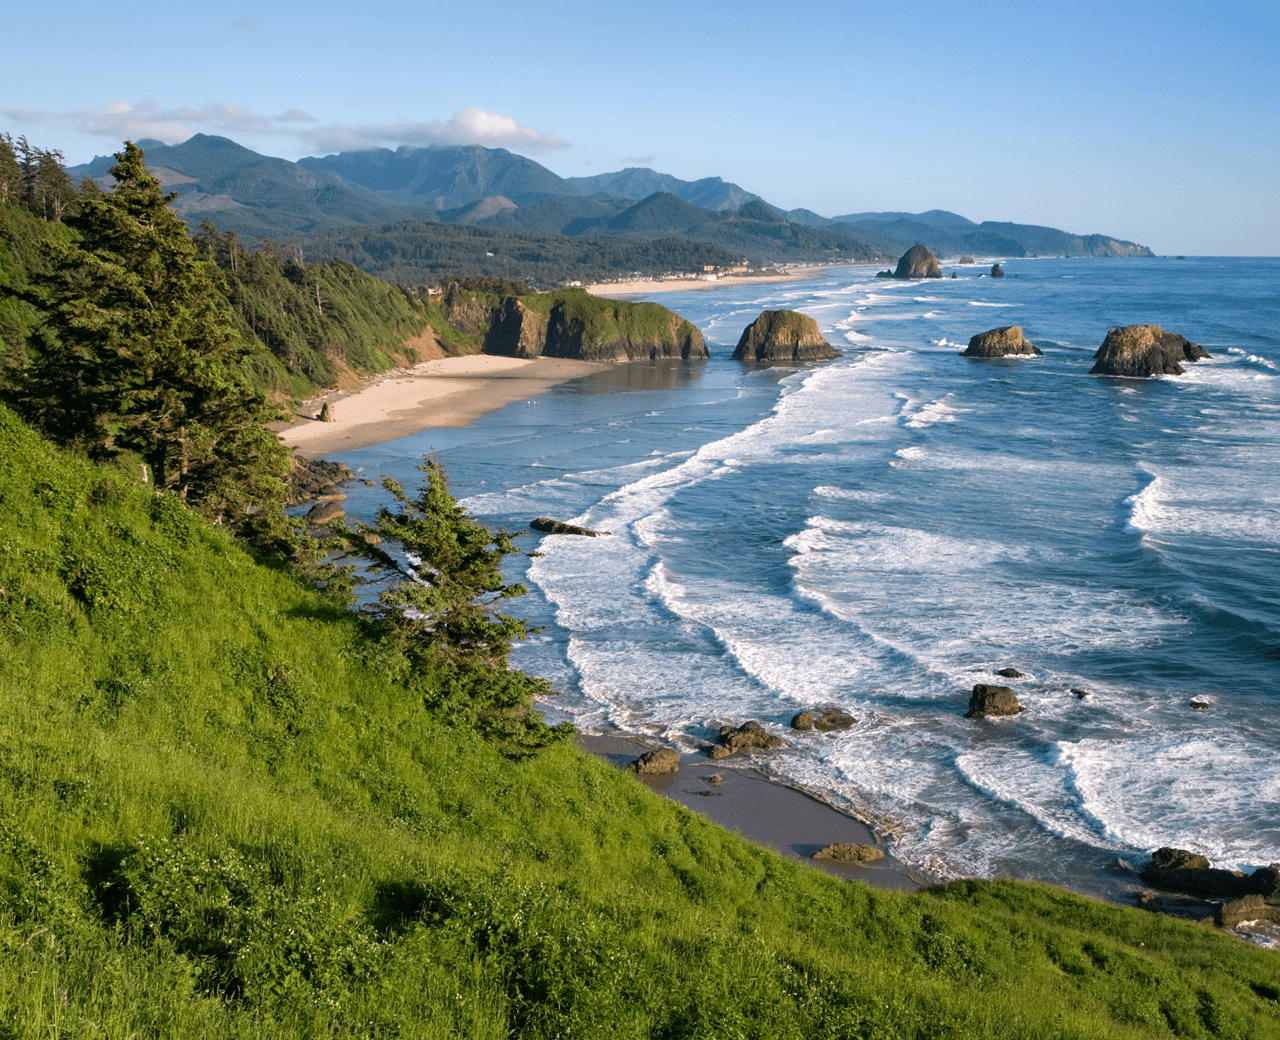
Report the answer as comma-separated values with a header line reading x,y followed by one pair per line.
x,y
992,700
916,262
849,852
1137,351
548,526
656,762
783,336
823,722
326,413
997,271
325,512
1001,342
748,735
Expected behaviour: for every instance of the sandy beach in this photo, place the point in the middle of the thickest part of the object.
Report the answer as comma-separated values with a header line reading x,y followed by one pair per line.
x,y
666,285
444,392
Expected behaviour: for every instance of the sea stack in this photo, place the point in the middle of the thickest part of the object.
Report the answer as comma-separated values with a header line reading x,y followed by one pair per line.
x,y
783,336
916,262
1001,342
997,271
1144,350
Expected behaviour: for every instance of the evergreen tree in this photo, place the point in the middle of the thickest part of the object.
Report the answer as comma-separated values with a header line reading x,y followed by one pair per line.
x,y
141,354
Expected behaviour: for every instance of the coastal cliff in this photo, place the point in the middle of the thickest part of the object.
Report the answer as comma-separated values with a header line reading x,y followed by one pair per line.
x,y
783,336
571,323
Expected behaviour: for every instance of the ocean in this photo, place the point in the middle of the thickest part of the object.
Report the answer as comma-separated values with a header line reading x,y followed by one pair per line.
x,y
881,532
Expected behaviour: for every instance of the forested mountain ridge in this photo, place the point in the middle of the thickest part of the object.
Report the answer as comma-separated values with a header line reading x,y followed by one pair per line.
x,y
256,195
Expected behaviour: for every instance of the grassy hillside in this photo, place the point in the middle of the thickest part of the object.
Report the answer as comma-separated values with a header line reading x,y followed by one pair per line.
x,y
229,808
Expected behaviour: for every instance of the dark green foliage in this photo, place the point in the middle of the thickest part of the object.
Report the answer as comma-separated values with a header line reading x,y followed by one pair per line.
x,y
443,616
416,253
316,321
140,361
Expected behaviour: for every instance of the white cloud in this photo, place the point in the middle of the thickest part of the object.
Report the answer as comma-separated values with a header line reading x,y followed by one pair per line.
x,y
470,126
123,121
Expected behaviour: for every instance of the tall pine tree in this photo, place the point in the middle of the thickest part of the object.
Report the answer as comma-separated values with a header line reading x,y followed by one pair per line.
x,y
141,355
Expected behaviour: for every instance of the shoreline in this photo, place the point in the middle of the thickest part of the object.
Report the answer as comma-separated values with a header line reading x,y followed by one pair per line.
x,y
650,286
783,818
445,392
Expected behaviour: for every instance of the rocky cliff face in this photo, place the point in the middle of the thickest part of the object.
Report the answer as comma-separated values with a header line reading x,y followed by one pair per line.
x,y
1000,342
1144,350
573,324
783,336
916,262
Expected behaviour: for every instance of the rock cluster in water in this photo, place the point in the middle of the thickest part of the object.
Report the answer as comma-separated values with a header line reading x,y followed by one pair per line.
x,y
748,735
1144,350
1225,897
783,336
1000,342
916,262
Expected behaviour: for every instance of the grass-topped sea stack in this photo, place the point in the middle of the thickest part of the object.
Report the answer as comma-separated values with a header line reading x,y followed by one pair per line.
x,y
783,336
571,323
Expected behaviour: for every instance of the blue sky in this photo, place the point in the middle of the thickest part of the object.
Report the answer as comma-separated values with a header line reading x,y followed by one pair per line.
x,y
1158,123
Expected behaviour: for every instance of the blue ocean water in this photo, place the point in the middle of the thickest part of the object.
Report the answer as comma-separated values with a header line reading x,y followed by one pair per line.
x,y
882,532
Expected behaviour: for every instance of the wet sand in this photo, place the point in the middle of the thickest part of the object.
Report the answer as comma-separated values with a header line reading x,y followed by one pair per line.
x,y
789,821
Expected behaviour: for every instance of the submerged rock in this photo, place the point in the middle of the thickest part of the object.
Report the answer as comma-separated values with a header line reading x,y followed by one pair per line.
x,y
916,262
1011,673
992,700
1000,342
1144,350
548,526
849,852
783,336
657,761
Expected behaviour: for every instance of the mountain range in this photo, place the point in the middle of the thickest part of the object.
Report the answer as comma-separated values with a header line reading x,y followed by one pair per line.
x,y
256,195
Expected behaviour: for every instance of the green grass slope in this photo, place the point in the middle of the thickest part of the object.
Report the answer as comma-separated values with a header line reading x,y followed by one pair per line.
x,y
227,810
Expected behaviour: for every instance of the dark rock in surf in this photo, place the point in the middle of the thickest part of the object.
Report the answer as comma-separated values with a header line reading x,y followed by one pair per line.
x,y
1080,694
548,526
748,735
849,852
992,700
783,336
1137,351
823,723
1200,703
656,762
916,262
997,271
1181,871
1011,673
1001,342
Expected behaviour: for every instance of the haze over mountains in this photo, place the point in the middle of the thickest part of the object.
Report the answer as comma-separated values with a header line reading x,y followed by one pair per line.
x,y
468,185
